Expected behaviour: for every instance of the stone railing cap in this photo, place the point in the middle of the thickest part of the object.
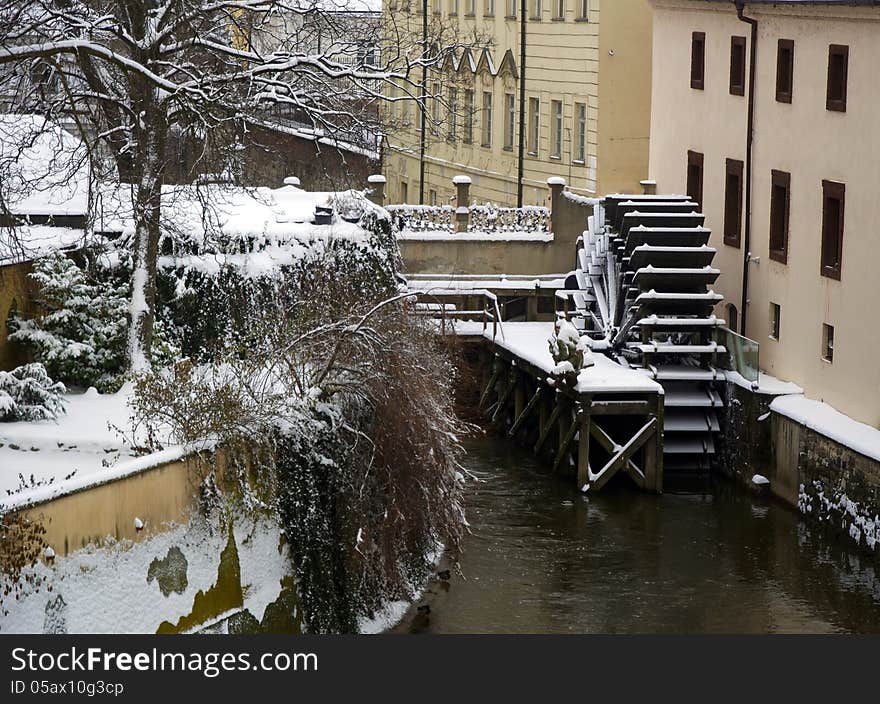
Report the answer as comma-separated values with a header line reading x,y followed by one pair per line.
x,y
376,178
556,181
461,179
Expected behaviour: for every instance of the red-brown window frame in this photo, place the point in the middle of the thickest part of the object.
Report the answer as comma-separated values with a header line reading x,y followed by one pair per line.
x,y
836,190
698,76
738,82
780,178
695,159
837,104
784,96
733,220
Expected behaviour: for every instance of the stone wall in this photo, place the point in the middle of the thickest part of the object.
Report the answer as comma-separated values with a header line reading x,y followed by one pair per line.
x,y
744,447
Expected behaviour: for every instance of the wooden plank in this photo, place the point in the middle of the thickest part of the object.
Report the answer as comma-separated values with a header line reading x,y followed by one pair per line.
x,y
520,419
620,408
598,480
565,442
551,421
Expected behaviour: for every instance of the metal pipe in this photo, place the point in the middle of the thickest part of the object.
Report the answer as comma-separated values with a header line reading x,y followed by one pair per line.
x,y
753,53
522,103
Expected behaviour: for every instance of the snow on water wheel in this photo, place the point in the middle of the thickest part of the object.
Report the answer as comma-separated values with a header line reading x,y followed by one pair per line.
x,y
644,277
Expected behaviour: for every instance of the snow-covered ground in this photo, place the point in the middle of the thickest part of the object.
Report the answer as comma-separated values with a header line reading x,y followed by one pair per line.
x,y
82,447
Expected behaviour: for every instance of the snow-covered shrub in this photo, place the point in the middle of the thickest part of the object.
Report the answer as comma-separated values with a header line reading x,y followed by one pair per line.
x,y
80,333
27,393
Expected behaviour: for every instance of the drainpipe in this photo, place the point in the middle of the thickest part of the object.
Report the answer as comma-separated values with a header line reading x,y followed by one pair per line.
x,y
522,103
424,89
747,255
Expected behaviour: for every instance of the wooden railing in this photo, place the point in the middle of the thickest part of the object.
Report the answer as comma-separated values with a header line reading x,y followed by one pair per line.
x,y
439,304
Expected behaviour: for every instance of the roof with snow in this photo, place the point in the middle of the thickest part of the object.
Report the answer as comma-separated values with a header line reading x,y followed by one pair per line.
x,y
43,168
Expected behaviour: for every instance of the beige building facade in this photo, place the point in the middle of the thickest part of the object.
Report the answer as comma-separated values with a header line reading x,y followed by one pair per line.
x,y
587,100
805,231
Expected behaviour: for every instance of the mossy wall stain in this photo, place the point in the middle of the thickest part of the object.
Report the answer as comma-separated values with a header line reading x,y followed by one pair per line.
x,y
169,572
225,595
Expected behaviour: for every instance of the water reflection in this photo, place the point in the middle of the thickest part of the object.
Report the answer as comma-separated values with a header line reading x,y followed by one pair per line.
x,y
544,559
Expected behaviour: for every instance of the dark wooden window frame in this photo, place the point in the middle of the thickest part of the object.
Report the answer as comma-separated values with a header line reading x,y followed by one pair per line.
x,y
835,190
783,179
784,70
698,60
733,210
695,159
738,73
775,321
838,102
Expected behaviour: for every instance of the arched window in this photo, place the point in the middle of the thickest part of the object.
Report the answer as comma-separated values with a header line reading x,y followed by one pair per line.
x,y
732,320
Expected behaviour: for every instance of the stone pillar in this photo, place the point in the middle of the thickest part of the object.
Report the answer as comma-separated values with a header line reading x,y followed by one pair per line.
x,y
462,202
649,187
376,189
556,184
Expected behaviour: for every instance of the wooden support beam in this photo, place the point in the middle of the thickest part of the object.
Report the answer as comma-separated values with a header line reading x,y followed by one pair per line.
x,y
621,408
654,455
562,453
583,469
611,447
496,372
520,419
618,460
505,395
545,431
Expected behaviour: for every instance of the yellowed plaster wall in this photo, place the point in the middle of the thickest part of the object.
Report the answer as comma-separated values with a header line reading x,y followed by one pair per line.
x,y
812,144
15,288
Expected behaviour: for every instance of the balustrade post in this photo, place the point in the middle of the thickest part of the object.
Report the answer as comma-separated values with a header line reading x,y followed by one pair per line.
x,y
556,185
462,202
649,187
376,189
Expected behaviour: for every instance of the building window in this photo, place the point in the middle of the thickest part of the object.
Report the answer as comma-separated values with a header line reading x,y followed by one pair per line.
x,y
784,70
838,65
432,195
489,9
775,312
557,128
534,125
535,8
438,7
827,342
559,9
487,119
780,203
833,196
695,177
698,59
453,112
511,8
583,9
732,318
471,8
435,109
469,116
737,65
404,192
580,131
509,119
733,189
453,7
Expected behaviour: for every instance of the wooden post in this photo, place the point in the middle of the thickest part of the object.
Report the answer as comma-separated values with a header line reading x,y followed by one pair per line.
x,y
376,188
462,202
565,442
519,397
583,471
653,464
548,425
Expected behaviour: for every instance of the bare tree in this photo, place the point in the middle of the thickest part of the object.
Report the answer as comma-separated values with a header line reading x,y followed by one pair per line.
x,y
130,73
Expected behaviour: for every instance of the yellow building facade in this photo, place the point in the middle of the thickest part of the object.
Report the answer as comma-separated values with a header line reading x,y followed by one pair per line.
x,y
586,117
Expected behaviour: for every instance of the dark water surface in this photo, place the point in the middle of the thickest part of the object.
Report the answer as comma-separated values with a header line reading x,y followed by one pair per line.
x,y
541,558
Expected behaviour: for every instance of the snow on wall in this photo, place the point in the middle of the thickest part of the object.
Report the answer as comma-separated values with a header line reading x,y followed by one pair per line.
x,y
859,521
831,423
134,587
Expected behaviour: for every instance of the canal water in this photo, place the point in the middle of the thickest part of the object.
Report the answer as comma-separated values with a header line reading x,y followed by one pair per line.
x,y
541,558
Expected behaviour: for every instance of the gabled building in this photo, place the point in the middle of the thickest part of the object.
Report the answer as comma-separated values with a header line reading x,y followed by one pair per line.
x,y
792,203
580,99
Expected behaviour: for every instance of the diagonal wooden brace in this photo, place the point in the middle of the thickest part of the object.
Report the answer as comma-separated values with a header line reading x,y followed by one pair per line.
x,y
520,419
620,458
611,448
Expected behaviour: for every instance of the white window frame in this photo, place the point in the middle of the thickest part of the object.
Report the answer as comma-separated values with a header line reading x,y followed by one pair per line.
x,y
487,118
557,111
535,125
510,119
580,131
